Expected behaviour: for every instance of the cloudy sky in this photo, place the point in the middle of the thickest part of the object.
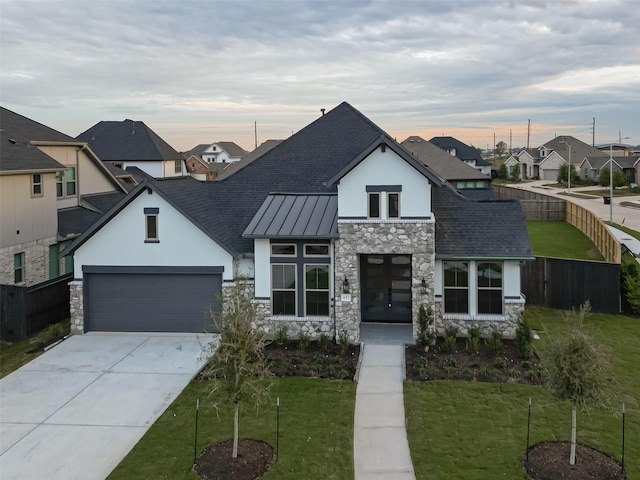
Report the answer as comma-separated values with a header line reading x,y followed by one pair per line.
x,y
205,71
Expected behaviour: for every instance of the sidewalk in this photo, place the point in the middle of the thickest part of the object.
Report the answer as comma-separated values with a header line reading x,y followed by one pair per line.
x,y
381,448
631,243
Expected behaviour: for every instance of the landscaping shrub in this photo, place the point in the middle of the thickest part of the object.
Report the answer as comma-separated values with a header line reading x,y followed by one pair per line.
x,y
472,344
426,336
495,341
281,336
524,337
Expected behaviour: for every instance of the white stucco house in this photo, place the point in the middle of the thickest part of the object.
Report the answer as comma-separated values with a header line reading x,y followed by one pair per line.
x,y
356,231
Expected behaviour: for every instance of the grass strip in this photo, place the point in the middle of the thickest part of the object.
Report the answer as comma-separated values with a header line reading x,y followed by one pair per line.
x,y
561,240
316,432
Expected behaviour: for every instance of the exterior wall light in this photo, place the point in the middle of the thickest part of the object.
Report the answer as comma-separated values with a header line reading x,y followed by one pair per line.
x,y
423,287
345,286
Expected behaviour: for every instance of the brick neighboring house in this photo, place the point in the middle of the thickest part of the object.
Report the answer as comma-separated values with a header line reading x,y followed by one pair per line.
x,y
133,144
52,188
336,226
206,162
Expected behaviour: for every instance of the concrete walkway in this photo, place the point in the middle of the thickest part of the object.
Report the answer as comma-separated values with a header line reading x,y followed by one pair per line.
x,y
380,446
631,243
76,411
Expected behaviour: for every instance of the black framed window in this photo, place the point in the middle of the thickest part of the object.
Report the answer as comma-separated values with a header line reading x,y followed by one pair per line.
x,y
490,288
456,287
283,289
393,205
317,289
374,205
283,250
151,224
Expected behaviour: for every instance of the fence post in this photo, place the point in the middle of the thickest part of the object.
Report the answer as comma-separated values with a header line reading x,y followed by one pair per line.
x,y
528,428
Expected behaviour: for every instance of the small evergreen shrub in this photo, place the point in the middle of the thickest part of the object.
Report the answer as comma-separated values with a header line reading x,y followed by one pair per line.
x,y
281,336
494,342
303,340
324,340
524,337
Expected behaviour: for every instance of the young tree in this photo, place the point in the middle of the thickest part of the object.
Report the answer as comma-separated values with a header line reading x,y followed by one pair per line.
x,y
237,359
619,179
502,172
515,173
501,149
578,368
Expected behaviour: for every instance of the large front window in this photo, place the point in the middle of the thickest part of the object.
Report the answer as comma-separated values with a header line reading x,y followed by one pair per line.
x,y
283,285
490,288
317,290
456,287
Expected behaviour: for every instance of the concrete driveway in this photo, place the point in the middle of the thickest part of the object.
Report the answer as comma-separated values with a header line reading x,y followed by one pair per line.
x,y
78,409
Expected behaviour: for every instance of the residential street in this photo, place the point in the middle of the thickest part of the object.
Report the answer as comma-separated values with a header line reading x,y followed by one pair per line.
x,y
627,216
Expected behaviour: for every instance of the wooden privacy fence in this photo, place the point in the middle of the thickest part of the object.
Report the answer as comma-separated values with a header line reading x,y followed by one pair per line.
x,y
535,206
27,310
538,206
566,284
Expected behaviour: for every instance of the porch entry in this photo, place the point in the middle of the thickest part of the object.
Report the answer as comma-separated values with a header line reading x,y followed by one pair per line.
x,y
386,288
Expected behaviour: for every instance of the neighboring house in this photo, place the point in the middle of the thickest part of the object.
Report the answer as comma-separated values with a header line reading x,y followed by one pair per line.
x,y
545,162
336,226
223,152
469,155
133,144
591,166
231,168
458,173
52,187
617,149
203,171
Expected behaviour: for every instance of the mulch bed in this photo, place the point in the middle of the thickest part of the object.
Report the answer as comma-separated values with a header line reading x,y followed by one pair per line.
x,y
550,461
439,363
331,361
253,460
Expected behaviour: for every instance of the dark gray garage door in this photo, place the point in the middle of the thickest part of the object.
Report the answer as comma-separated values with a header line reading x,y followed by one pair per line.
x,y
169,299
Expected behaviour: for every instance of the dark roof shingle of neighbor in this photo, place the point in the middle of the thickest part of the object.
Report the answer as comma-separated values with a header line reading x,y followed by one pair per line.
x,y
463,151
232,148
448,167
127,140
75,220
197,150
16,153
479,229
232,168
579,149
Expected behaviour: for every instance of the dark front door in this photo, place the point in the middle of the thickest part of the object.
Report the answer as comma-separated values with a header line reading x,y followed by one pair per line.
x,y
386,288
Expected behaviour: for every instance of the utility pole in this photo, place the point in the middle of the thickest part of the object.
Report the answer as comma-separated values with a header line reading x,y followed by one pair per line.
x,y
510,142
255,133
593,133
528,131
494,144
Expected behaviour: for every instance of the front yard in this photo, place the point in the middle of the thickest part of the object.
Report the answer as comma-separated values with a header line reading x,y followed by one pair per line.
x,y
476,430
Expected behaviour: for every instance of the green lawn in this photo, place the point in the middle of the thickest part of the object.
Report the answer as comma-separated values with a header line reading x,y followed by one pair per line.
x,y
14,355
316,432
465,430
561,240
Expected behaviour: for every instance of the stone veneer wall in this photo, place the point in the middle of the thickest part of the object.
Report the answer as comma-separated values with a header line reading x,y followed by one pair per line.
x,y
365,237
36,261
506,323
76,307
269,324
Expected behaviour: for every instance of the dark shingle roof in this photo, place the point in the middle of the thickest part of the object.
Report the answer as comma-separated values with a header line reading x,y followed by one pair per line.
x,y
479,229
463,151
16,153
128,140
296,216
232,168
579,149
448,167
232,148
74,221
197,150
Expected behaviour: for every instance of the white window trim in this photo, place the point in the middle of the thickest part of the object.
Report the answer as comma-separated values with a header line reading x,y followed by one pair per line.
x,y
389,205
369,194
147,238
478,288
468,288
284,255
295,289
34,184
62,180
328,289
305,254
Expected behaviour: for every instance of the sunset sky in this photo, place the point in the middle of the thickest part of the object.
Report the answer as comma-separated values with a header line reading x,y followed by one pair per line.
x,y
205,71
